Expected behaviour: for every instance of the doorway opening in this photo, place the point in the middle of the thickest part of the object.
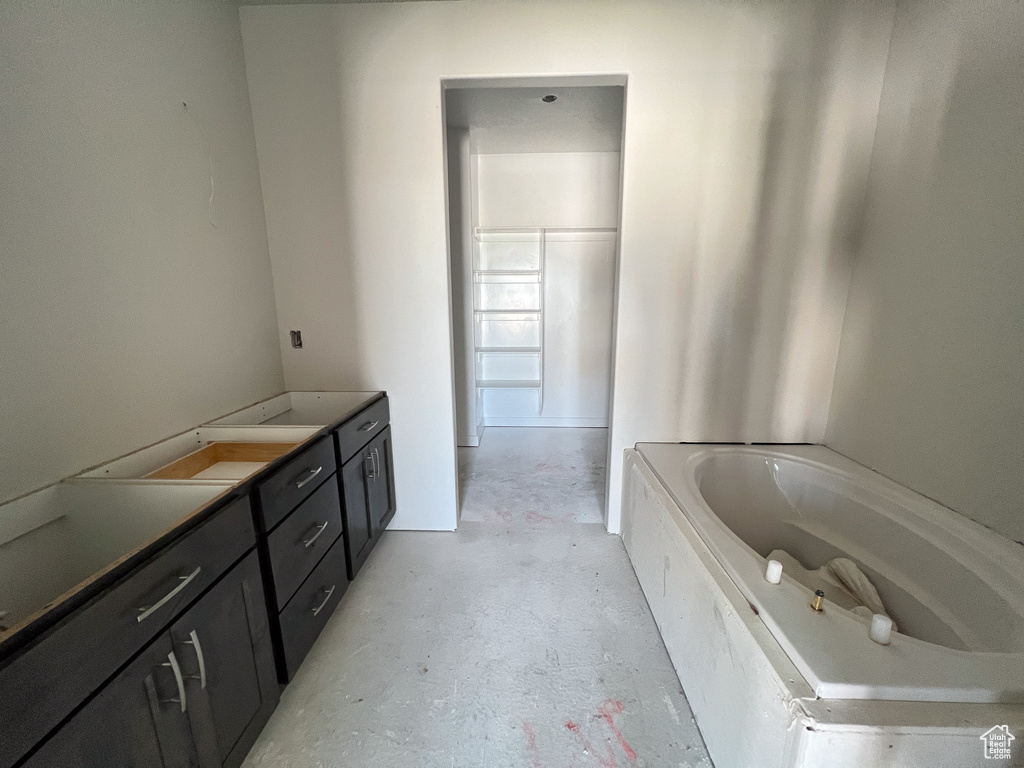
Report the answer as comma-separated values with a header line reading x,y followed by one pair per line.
x,y
534,190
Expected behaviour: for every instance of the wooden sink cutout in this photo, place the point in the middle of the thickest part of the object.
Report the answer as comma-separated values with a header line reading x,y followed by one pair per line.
x,y
222,461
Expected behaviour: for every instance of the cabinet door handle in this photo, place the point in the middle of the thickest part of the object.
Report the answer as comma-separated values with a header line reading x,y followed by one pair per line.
x,y
373,466
368,426
321,606
319,529
376,465
194,642
147,610
172,662
312,473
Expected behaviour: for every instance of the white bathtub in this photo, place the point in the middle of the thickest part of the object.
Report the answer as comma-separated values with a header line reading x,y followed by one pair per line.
x,y
955,589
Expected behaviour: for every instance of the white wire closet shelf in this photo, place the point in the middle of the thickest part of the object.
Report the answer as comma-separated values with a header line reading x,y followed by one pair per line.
x,y
508,304
507,297
507,252
510,350
481,232
507,276
508,384
508,311
504,365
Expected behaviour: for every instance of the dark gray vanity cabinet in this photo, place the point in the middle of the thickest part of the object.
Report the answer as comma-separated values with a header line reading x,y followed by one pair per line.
x,y
303,618
46,678
131,722
381,490
358,522
367,476
172,654
197,695
225,656
300,522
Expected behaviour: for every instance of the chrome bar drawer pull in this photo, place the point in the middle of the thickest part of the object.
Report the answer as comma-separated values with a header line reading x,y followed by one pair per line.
x,y
321,606
376,462
312,473
147,610
194,642
172,662
368,426
319,529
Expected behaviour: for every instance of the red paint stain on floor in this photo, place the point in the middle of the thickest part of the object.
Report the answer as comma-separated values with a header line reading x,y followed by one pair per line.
x,y
531,745
608,761
608,710
545,467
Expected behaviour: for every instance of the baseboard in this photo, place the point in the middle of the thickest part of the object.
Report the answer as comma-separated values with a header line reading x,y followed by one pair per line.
x,y
541,421
468,441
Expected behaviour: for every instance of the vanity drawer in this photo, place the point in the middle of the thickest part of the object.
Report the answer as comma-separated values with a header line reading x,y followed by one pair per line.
x,y
41,684
312,605
297,544
281,492
360,429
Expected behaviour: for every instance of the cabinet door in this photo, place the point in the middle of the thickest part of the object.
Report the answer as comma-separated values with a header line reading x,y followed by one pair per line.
x,y
381,483
355,478
135,721
49,679
223,644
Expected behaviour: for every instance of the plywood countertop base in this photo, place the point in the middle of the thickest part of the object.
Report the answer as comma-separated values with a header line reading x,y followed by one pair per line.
x,y
203,464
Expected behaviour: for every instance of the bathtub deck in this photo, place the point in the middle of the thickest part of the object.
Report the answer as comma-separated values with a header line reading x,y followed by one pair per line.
x,y
753,706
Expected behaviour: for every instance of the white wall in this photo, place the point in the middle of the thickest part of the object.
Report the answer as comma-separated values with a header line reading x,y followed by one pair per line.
x,y
549,189
579,301
747,133
125,315
461,204
930,384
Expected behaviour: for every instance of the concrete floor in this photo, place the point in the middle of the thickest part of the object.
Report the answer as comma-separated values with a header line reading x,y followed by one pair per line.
x,y
516,641
542,475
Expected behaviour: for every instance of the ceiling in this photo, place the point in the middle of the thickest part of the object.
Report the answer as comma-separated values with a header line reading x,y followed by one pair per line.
x,y
500,120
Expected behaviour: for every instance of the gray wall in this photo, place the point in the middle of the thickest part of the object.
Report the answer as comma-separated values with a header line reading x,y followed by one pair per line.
x,y
125,315
929,387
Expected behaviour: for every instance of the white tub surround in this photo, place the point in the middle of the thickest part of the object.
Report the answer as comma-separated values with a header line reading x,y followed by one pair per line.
x,y
771,682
